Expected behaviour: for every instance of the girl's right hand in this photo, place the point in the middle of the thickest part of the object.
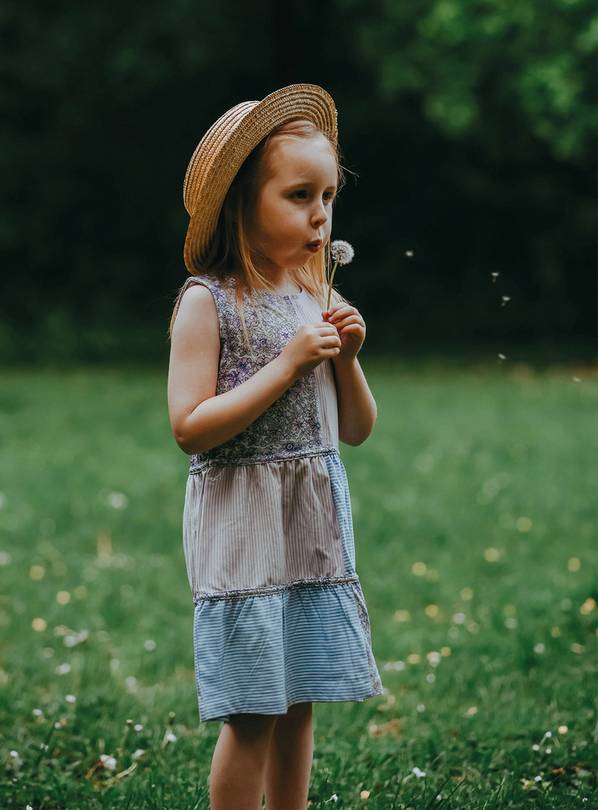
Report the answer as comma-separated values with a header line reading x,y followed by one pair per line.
x,y
311,344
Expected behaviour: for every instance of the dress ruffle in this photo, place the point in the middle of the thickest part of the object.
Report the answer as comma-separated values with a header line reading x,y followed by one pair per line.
x,y
263,653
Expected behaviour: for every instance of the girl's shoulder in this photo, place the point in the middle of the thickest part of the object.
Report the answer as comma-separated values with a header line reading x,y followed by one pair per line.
x,y
211,280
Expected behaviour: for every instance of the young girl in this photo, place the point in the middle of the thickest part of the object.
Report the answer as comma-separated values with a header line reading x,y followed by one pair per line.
x,y
262,385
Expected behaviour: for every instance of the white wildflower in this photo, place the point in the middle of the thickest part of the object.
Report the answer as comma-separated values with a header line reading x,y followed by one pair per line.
x,y
117,500
419,773
108,762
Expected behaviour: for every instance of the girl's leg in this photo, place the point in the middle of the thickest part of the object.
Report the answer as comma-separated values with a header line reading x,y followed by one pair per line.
x,y
289,762
237,772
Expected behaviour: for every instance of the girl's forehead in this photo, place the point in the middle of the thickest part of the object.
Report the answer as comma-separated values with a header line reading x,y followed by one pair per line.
x,y
305,158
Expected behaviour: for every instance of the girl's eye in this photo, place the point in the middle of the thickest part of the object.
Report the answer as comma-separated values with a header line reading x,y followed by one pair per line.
x,y
328,194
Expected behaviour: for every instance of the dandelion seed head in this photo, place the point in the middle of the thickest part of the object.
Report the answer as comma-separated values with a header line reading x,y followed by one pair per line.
x,y
341,251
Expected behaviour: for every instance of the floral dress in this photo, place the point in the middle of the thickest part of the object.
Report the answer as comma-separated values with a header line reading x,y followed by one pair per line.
x,y
279,613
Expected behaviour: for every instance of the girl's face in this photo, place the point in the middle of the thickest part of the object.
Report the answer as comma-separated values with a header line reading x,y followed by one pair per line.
x,y
294,203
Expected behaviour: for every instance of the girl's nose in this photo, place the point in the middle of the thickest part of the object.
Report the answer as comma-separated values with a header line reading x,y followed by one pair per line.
x,y
319,216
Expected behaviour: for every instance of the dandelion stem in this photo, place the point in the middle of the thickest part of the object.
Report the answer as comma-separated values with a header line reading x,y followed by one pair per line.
x,y
330,285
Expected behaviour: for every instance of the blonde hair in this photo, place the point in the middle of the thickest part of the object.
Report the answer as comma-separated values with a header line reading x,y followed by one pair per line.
x,y
229,253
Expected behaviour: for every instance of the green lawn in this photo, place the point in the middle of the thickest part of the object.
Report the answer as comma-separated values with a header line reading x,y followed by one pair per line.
x,y
475,510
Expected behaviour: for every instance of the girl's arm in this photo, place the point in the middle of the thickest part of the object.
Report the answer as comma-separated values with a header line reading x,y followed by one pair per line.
x,y
193,374
357,409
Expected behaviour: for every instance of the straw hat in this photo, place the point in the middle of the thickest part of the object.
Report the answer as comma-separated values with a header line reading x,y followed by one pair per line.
x,y
224,147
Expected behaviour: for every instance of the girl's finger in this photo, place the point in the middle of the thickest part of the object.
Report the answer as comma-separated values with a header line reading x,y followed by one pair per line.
x,y
342,312
350,319
331,310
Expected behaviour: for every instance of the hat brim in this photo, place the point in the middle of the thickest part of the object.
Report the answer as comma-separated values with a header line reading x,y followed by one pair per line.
x,y
223,149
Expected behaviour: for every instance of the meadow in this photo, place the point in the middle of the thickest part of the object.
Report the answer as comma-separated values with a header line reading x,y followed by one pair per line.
x,y
476,518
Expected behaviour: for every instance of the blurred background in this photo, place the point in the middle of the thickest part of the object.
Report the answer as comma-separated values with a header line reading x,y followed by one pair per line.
x,y
470,126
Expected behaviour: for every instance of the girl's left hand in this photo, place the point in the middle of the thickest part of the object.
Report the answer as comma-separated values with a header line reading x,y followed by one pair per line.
x,y
351,329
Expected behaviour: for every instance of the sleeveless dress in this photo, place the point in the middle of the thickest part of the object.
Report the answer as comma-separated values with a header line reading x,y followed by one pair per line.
x,y
279,613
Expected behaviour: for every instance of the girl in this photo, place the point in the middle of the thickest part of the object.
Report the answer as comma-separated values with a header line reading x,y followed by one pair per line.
x,y
262,385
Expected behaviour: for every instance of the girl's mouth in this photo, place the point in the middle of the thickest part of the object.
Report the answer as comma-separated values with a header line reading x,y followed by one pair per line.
x,y
314,246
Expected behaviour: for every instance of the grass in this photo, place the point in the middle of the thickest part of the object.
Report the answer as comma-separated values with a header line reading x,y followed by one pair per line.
x,y
475,515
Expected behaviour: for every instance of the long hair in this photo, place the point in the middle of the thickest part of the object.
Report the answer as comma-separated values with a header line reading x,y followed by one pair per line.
x,y
229,251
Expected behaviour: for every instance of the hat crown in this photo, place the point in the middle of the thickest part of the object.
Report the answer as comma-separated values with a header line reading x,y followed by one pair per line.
x,y
227,143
